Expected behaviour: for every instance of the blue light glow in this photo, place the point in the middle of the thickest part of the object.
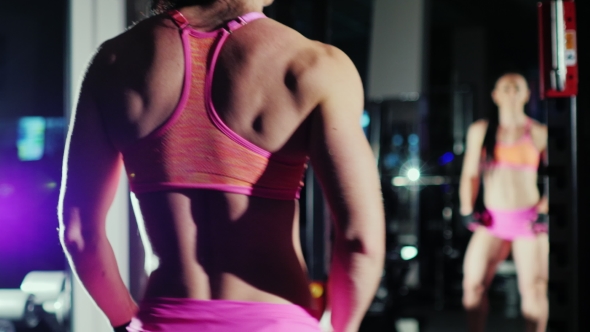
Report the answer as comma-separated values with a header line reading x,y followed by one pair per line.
x,y
391,160
397,140
446,158
31,138
365,119
413,139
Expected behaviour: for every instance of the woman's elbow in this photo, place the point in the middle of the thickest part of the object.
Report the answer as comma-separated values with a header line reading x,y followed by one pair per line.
x,y
467,179
376,249
71,238
370,244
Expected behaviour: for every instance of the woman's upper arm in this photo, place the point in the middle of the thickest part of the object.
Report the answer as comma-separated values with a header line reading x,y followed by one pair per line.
x,y
340,154
473,150
91,166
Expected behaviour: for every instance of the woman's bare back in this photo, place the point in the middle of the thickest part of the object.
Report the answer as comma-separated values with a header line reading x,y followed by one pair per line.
x,y
284,93
215,245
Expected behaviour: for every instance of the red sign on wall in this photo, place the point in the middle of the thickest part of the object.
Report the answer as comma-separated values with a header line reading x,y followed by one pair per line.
x,y
558,56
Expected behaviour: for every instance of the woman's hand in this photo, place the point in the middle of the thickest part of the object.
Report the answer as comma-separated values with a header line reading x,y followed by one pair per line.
x,y
471,222
541,225
543,205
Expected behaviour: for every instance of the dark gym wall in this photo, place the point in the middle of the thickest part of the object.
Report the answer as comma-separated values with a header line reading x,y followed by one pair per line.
x,y
32,45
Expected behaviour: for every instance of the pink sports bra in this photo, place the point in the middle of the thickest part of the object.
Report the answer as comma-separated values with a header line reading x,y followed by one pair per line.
x,y
195,149
522,154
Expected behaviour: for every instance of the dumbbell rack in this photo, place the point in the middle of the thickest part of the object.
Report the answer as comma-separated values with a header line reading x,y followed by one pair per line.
x,y
43,298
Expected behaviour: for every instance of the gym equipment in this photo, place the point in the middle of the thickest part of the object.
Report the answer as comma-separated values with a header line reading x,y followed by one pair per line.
x,y
51,292
43,297
18,308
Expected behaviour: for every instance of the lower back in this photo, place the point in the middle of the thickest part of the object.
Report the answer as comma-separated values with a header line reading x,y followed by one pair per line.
x,y
214,245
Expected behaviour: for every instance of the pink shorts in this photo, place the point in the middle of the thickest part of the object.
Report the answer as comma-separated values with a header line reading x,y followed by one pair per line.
x,y
189,315
513,224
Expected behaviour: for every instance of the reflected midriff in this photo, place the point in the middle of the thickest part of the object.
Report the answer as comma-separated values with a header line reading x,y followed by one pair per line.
x,y
506,188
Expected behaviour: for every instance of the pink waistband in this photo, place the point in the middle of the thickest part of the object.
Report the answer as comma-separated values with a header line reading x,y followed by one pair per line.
x,y
517,211
184,315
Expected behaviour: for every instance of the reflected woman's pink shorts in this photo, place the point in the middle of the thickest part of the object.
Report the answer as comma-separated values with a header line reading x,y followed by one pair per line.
x,y
512,224
188,315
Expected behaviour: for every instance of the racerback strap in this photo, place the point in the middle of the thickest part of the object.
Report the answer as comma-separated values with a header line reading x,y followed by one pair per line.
x,y
230,27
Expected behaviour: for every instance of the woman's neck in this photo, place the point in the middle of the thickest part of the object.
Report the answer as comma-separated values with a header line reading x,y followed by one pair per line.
x,y
511,118
211,17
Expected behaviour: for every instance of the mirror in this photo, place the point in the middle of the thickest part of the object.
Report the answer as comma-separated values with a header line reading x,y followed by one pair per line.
x,y
463,48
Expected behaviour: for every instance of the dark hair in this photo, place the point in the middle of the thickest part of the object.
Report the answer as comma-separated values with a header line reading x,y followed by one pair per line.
x,y
161,6
489,141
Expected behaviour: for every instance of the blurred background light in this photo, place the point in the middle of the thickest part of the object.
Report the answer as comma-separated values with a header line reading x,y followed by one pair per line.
x,y
446,158
365,119
397,140
408,252
391,160
413,139
413,174
31,138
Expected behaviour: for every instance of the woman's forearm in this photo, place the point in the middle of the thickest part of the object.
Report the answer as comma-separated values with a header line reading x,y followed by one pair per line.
x,y
95,265
354,277
468,189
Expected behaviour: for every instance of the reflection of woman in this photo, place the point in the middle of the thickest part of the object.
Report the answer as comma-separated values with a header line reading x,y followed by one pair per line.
x,y
506,150
216,159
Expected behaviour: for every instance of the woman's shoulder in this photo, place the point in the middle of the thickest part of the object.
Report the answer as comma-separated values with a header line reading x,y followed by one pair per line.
x,y
142,34
537,126
480,126
539,133
136,46
476,132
